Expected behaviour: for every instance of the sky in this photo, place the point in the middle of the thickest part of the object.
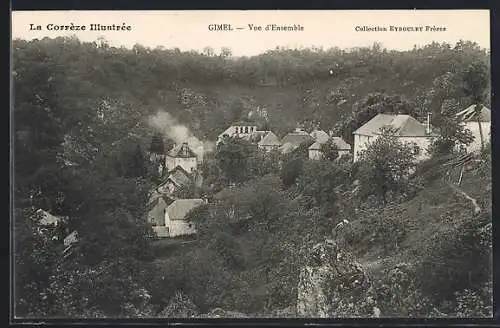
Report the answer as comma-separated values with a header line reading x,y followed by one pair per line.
x,y
189,30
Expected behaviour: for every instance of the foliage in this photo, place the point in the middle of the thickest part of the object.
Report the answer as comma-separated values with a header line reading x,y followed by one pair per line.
x,y
330,150
397,294
384,167
475,303
322,182
452,132
476,81
232,158
457,261
157,145
293,163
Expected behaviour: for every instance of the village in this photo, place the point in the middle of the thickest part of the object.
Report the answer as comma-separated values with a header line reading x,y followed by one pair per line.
x,y
179,167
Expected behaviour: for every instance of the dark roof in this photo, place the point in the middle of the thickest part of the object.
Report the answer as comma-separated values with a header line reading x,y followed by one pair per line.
x,y
182,151
296,138
404,126
180,208
339,142
179,177
155,200
469,114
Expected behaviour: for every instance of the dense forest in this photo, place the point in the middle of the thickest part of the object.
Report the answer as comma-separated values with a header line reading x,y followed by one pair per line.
x,y
82,128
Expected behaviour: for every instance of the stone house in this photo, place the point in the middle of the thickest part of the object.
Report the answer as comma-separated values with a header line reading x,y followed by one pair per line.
x,y
238,130
407,129
175,217
269,142
181,155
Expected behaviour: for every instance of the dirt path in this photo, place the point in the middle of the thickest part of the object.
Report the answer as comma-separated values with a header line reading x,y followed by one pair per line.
x,y
463,194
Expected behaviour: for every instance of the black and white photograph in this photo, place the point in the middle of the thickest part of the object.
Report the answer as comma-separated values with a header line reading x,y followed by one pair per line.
x,y
251,164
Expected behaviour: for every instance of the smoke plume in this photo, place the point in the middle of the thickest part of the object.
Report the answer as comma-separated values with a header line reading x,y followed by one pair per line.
x,y
166,124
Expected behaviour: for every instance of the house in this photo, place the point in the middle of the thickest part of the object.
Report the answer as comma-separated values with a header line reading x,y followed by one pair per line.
x,y
316,153
156,209
177,178
239,130
255,137
269,142
294,139
175,216
477,127
405,127
320,136
47,219
181,155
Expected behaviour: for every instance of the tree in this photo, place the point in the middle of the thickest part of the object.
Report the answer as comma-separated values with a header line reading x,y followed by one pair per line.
x,y
385,166
452,132
330,150
157,145
232,158
322,182
225,52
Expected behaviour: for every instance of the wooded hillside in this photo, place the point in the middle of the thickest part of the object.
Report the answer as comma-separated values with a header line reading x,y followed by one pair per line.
x,y
81,115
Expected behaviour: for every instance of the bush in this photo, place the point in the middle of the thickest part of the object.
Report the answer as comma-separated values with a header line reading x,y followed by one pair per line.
x,y
475,303
460,259
385,166
397,294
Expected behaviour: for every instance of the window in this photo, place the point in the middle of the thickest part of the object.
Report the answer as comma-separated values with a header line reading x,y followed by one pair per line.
x,y
246,129
190,225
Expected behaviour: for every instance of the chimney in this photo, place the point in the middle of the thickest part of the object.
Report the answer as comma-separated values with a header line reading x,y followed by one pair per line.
x,y
428,124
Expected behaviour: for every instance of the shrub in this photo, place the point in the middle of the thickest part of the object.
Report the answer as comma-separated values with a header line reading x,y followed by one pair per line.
x,y
460,259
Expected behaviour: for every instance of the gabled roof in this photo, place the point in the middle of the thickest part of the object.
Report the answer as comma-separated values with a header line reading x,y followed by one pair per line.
x,y
404,126
155,200
47,218
179,177
339,142
316,146
270,139
288,147
296,138
320,136
181,151
178,209
469,114
71,238
226,132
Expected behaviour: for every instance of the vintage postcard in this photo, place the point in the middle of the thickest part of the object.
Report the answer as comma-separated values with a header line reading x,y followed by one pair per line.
x,y
251,164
